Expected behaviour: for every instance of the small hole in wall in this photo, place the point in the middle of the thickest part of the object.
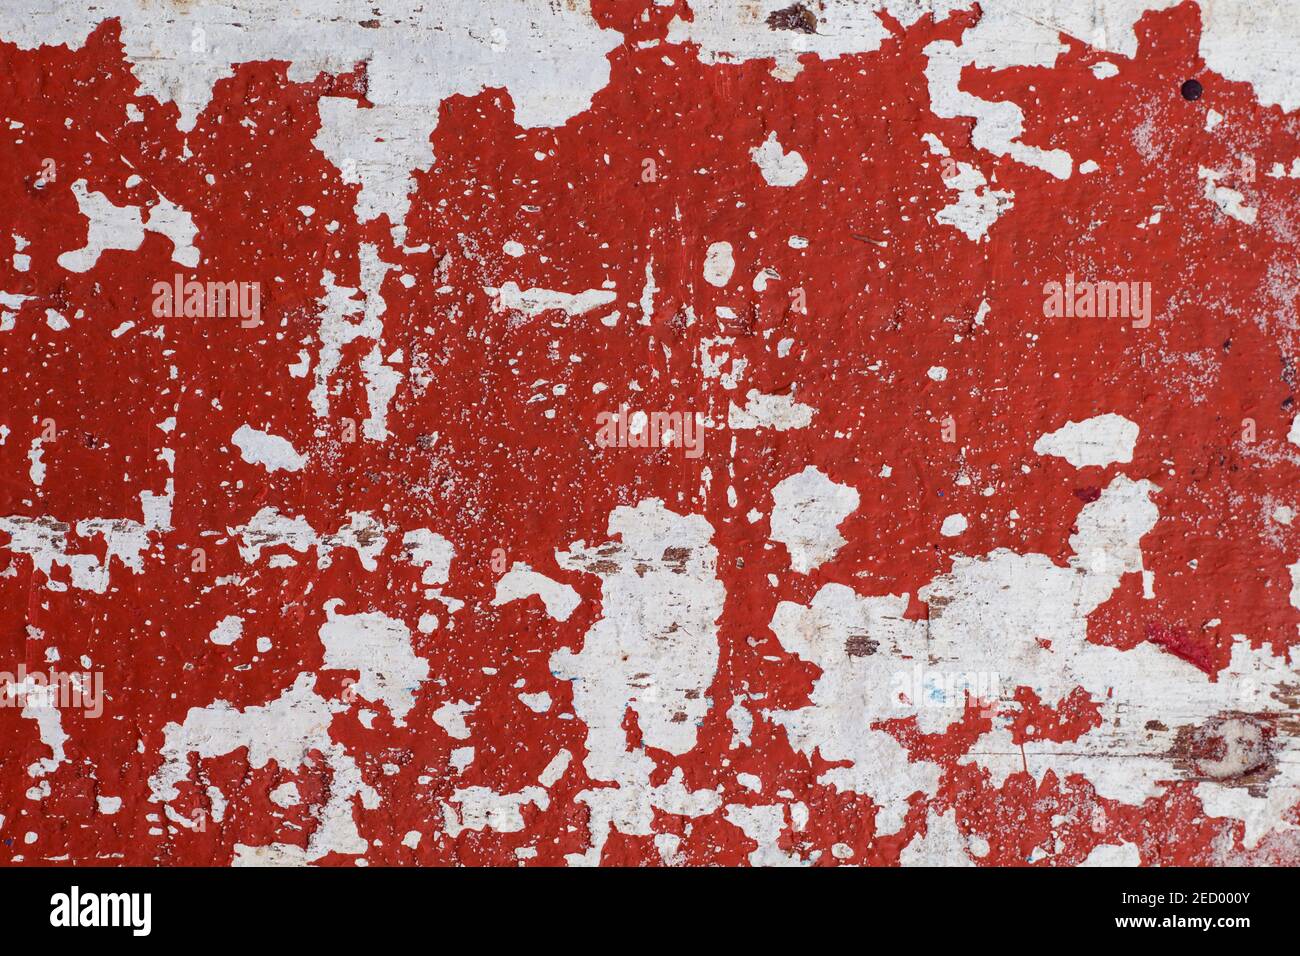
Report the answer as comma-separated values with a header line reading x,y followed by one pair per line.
x,y
1191,89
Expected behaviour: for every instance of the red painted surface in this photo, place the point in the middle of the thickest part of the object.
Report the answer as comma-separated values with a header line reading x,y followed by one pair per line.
x,y
502,476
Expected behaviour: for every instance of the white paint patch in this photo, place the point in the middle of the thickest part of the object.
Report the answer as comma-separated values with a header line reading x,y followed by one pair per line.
x,y
808,508
977,207
661,664
461,758
286,730
998,125
41,704
654,650
648,291
10,302
286,795
431,551
379,647
730,32
718,264
778,167
521,581
539,703
764,824
36,469
1248,42
228,630
270,529
364,534
108,805
482,809
1110,855
781,412
1025,619
852,691
46,540
110,227
170,220
941,845
554,770
1093,442
451,718
533,302
1228,201
336,309
953,525
270,451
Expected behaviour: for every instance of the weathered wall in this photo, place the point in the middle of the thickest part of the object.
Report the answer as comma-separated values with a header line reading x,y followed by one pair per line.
x,y
649,432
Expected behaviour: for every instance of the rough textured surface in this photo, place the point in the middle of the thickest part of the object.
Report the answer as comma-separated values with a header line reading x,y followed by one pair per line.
x,y
649,432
